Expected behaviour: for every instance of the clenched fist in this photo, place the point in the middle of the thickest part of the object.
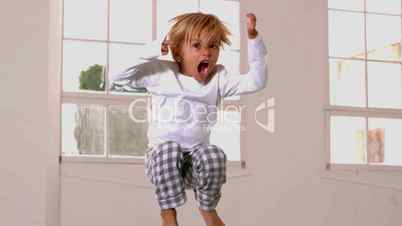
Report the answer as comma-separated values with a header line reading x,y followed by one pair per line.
x,y
251,24
165,46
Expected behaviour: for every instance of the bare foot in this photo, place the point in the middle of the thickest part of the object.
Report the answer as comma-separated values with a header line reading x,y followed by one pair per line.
x,y
211,218
169,217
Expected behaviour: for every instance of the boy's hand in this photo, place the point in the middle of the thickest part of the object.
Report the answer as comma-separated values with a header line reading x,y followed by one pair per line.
x,y
165,46
251,24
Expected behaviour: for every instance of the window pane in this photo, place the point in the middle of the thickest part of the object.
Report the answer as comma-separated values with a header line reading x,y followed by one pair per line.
x,y
384,37
167,9
347,82
384,141
346,4
226,133
128,135
83,128
231,60
381,6
348,140
130,21
384,85
228,12
85,19
346,34
123,56
83,65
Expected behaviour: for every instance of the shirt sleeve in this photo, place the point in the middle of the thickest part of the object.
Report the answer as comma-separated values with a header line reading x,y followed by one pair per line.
x,y
254,80
138,77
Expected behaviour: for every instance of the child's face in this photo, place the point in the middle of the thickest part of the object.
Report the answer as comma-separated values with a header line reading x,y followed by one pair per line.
x,y
198,58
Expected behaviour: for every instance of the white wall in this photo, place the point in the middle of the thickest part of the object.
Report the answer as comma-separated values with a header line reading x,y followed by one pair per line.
x,y
24,130
286,184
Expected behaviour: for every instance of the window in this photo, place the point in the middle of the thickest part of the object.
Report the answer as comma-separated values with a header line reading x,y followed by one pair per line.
x,y
364,114
103,37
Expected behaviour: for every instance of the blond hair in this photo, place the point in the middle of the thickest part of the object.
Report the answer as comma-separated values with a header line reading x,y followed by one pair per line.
x,y
191,25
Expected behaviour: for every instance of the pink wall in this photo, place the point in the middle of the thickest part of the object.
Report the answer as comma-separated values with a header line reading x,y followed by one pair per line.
x,y
24,133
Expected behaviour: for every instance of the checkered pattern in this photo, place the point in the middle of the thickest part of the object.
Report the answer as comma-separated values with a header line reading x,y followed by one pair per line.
x,y
173,169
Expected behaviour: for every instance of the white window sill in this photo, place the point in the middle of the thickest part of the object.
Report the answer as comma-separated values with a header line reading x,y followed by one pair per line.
x,y
360,168
235,169
381,176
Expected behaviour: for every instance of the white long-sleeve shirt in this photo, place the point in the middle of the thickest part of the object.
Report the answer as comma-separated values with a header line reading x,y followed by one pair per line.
x,y
184,110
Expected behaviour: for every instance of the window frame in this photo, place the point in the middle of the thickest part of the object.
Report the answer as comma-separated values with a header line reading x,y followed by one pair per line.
x,y
365,112
106,99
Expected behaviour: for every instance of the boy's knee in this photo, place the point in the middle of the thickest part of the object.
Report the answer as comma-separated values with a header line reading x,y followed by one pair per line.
x,y
169,150
165,156
213,159
216,154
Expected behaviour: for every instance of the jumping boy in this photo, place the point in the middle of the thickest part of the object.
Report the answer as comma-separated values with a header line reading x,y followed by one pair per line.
x,y
185,93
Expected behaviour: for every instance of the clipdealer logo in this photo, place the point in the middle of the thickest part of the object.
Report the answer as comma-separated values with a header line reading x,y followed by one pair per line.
x,y
264,115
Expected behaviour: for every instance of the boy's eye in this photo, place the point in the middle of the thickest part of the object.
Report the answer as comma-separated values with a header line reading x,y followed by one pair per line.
x,y
214,46
197,45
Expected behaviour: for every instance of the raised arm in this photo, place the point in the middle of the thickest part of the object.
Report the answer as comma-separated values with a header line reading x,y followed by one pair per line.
x,y
255,79
139,77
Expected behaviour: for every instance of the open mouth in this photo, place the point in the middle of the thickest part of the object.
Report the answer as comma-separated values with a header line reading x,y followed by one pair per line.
x,y
203,67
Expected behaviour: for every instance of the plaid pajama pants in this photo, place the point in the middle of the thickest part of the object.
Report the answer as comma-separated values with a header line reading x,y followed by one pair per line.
x,y
172,169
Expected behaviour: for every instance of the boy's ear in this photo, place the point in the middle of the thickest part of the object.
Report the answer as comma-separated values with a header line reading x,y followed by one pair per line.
x,y
175,53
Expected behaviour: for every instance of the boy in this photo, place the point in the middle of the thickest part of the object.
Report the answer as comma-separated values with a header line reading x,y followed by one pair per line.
x,y
185,94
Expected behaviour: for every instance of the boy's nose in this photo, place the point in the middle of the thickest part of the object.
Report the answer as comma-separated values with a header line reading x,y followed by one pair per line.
x,y
206,51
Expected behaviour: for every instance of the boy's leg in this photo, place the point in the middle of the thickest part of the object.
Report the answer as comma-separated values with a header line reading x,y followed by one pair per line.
x,y
211,218
209,174
169,217
163,168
